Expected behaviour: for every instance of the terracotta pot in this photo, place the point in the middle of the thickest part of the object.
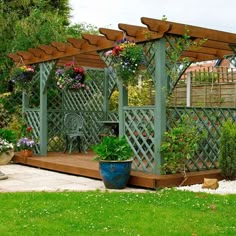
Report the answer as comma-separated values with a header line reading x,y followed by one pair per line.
x,y
5,158
26,153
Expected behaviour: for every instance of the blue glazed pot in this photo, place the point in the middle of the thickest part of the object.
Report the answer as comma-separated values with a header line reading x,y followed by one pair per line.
x,y
115,174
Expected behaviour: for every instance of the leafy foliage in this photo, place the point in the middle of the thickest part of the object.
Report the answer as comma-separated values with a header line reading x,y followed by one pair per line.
x,y
113,148
180,144
227,158
127,57
137,95
28,23
9,135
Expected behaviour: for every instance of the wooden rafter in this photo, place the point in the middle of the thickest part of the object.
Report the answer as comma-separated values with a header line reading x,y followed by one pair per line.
x,y
85,50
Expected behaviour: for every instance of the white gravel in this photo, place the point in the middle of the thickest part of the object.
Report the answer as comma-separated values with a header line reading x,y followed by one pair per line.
x,y
225,187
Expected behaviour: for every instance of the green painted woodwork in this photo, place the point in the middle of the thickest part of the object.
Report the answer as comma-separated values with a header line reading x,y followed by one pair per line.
x,y
208,120
123,101
139,130
45,70
142,126
174,70
160,78
105,93
232,58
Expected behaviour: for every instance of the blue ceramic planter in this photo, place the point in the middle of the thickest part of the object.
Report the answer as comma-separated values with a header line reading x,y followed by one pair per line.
x,y
115,174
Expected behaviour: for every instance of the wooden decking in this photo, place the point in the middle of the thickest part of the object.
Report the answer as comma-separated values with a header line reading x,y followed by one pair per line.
x,y
82,164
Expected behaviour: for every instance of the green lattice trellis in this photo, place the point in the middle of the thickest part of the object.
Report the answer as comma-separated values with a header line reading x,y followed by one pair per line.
x,y
88,104
139,123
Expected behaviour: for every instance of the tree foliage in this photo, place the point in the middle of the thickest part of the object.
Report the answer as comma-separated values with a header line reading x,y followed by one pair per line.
x,y
27,23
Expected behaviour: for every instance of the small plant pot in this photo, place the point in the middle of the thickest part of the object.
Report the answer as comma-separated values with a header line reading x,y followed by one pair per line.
x,y
115,174
26,153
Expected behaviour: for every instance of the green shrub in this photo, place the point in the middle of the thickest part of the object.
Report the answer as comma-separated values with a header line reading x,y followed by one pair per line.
x,y
179,145
8,135
227,157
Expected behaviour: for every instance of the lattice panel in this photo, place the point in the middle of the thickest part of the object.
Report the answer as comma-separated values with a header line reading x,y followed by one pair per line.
x,y
149,54
232,58
56,131
208,120
113,116
173,53
139,126
86,100
111,73
33,93
87,103
33,119
55,95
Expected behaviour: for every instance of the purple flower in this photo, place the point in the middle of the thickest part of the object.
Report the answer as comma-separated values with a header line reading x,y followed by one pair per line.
x,y
25,143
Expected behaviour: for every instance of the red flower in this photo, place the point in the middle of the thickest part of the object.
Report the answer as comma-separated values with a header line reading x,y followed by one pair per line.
x,y
28,129
116,50
79,70
71,63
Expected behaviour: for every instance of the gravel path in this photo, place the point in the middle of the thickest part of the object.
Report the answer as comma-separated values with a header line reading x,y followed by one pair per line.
x,y
225,187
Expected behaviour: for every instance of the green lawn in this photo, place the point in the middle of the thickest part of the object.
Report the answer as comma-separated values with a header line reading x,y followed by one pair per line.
x,y
166,212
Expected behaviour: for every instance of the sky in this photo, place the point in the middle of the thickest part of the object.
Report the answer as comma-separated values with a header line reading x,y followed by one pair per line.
x,y
214,14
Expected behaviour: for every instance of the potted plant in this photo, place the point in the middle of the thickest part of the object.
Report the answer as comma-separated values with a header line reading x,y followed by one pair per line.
x,y
115,159
71,77
26,146
127,57
7,141
6,151
26,143
179,145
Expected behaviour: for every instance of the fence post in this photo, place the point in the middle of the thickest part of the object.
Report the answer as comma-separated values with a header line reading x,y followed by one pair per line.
x,y
188,89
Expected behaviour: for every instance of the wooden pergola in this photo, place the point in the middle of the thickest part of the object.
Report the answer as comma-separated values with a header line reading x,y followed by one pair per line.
x,y
158,39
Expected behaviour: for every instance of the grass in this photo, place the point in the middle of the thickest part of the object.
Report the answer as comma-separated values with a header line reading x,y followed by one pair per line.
x,y
166,212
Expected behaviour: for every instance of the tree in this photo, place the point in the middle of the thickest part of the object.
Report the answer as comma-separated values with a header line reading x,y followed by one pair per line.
x,y
27,23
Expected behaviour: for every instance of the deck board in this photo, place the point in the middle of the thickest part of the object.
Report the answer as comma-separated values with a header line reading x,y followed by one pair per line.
x,y
82,164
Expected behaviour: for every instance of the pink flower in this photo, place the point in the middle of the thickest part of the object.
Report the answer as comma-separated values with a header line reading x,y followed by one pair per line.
x,y
108,53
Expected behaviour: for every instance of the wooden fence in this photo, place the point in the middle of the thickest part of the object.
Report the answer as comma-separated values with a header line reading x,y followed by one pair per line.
x,y
211,87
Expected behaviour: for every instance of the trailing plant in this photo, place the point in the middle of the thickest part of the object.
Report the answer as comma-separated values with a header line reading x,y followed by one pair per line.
x,y
227,151
113,148
179,145
127,58
175,50
22,77
71,77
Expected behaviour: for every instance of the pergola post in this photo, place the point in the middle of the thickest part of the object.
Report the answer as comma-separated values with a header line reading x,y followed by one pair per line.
x,y
105,93
160,81
25,101
123,101
188,89
43,111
